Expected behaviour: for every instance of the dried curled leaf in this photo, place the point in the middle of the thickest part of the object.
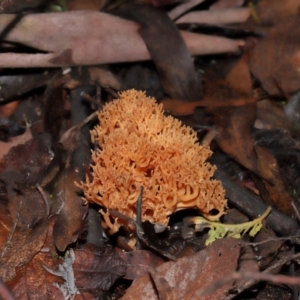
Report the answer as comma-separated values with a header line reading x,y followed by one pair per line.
x,y
141,147
236,231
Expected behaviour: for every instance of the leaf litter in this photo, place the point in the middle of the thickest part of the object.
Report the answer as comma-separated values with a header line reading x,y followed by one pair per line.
x,y
244,106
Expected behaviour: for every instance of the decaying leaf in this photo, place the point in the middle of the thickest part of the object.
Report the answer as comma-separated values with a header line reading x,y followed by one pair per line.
x,y
34,162
97,268
139,262
70,209
273,11
220,230
77,38
276,59
168,51
15,141
24,228
189,274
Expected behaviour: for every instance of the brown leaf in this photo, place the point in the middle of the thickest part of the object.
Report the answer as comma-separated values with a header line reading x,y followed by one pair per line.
x,y
188,275
26,217
77,38
221,4
278,162
14,141
97,268
276,59
70,208
17,85
270,115
239,77
33,280
54,100
139,262
167,49
273,11
216,17
235,138
30,163
278,195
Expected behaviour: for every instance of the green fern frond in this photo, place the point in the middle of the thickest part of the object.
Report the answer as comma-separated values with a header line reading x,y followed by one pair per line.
x,y
219,230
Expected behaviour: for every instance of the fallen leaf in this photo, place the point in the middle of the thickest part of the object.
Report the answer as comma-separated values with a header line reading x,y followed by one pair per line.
x,y
77,38
239,77
221,4
32,279
14,141
69,206
8,109
139,262
235,128
275,60
216,17
273,11
189,274
13,86
30,163
167,48
279,158
25,228
97,268
270,115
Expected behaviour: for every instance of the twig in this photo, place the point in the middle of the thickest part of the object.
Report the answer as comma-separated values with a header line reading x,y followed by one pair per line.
x,y
253,206
139,215
285,238
272,268
253,276
181,9
45,198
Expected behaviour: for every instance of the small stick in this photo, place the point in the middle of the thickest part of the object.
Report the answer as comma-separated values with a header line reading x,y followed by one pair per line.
x,y
139,215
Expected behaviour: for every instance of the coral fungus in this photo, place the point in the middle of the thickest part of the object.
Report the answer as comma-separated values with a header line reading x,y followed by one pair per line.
x,y
140,146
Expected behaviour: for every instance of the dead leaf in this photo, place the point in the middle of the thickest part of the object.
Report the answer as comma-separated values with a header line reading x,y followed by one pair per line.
x,y
15,141
8,109
273,11
69,206
279,155
276,59
168,50
17,85
221,4
235,128
54,100
87,5
30,163
77,38
33,280
191,273
270,115
97,268
239,77
139,262
216,17
26,217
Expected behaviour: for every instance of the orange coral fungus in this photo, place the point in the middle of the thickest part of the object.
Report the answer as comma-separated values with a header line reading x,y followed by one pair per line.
x,y
142,147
